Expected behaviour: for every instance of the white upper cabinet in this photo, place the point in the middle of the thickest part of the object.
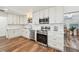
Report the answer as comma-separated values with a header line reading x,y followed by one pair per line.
x,y
41,14
17,20
9,18
46,13
14,19
25,20
21,20
55,14
35,18
52,15
59,14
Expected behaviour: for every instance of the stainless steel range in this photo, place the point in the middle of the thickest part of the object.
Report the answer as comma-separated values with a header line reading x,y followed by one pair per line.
x,y
42,36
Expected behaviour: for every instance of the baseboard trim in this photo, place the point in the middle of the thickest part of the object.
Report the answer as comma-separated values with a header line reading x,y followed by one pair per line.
x,y
24,37
33,40
2,36
14,37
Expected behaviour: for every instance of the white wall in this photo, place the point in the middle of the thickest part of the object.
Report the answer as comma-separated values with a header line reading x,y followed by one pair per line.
x,y
3,25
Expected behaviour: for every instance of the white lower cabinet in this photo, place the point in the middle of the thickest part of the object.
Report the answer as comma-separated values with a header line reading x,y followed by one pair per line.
x,y
26,33
56,40
17,32
53,44
11,33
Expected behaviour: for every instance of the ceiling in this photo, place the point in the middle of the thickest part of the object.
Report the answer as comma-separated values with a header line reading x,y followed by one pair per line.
x,y
22,10
71,12
27,10
71,9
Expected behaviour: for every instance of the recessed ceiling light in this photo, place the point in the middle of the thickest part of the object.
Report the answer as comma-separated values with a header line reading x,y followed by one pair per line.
x,y
5,9
68,15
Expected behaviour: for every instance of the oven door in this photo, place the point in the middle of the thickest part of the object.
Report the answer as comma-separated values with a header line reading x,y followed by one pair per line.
x,y
42,38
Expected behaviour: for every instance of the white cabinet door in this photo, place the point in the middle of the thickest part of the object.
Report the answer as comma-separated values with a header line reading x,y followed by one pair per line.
x,y
14,19
21,20
60,41
13,33
25,20
17,19
10,34
17,32
56,40
41,14
46,15
59,14
52,16
26,33
36,18
52,41
23,32
10,19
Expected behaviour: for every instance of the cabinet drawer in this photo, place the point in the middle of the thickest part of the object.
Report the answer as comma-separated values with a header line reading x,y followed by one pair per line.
x,y
60,46
53,39
60,38
52,44
56,45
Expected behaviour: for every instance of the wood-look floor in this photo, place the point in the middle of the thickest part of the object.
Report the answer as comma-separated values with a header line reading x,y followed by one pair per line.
x,y
22,45
72,44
